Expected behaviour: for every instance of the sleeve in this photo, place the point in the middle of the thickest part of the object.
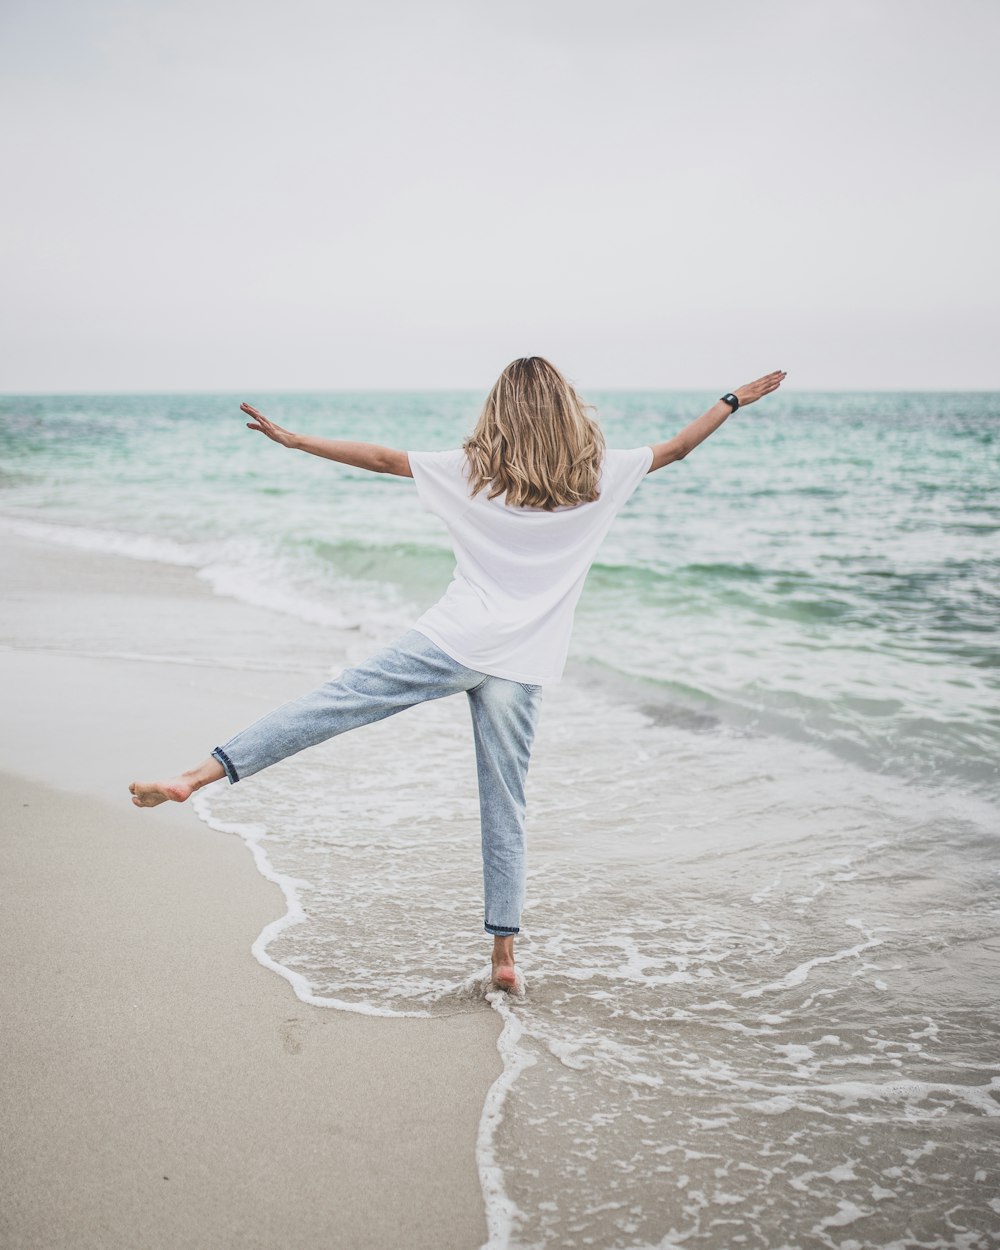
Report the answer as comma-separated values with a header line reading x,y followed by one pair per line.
x,y
440,479
626,469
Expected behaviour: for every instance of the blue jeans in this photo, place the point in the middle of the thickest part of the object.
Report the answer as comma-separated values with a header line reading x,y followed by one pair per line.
x,y
410,671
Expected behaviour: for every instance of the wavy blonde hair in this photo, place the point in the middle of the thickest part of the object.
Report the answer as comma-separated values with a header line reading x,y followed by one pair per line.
x,y
534,442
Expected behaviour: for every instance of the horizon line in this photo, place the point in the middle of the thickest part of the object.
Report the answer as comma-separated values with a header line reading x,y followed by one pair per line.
x,y
467,390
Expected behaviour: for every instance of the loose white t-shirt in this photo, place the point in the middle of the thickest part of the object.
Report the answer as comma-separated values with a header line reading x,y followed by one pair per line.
x,y
509,608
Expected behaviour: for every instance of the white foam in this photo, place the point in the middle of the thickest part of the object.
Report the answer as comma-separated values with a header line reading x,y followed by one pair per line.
x,y
253,835
801,971
262,587
903,1090
846,1213
134,546
566,1053
234,569
501,1210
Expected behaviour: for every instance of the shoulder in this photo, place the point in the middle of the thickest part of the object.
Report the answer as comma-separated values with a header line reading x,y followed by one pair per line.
x,y
441,479
628,460
622,470
453,458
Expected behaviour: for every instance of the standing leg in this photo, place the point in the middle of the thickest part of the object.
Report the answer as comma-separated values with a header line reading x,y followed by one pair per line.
x,y
504,717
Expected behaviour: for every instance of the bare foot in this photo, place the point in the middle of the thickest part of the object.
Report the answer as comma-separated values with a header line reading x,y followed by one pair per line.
x,y
504,978
149,793
504,974
177,789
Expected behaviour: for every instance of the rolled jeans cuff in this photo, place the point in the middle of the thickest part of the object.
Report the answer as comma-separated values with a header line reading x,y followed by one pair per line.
x,y
227,764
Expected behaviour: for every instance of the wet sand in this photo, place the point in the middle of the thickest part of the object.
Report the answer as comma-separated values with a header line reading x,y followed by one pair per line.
x,y
161,1088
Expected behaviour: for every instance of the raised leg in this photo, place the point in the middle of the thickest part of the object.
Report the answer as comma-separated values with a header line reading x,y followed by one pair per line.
x,y
410,671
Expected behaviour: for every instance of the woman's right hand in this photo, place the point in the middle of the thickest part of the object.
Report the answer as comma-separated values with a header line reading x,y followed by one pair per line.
x,y
269,428
753,391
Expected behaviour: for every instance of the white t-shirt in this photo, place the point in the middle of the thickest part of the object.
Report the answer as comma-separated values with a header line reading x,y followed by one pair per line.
x,y
509,608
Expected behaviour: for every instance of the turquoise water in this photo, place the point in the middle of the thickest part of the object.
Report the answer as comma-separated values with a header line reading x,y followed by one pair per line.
x,y
761,939
826,567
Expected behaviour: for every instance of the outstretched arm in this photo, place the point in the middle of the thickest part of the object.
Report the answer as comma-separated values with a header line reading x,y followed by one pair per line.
x,y
688,439
360,455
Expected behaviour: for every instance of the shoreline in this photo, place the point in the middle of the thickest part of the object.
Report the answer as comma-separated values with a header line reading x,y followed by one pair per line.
x,y
144,1040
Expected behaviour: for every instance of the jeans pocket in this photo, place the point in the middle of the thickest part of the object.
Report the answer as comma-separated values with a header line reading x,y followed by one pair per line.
x,y
529,687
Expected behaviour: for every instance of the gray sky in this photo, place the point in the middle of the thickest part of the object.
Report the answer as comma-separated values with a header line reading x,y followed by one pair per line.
x,y
311,194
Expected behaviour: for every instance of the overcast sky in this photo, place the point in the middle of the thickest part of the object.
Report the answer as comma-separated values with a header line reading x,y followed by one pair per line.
x,y
311,194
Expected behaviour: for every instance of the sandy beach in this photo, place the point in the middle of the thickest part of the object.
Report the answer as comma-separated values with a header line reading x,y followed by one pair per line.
x,y
160,1087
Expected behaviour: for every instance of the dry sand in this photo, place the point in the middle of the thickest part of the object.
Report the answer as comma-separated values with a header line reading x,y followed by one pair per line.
x,y
159,1087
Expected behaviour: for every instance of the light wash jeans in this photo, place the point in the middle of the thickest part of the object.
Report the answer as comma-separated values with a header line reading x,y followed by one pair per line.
x,y
410,671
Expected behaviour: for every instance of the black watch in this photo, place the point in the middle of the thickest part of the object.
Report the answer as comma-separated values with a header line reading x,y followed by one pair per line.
x,y
731,400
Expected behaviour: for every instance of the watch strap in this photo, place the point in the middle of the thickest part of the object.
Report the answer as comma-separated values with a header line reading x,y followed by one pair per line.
x,y
730,399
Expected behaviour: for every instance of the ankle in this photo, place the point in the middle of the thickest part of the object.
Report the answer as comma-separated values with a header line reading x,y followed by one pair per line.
x,y
207,772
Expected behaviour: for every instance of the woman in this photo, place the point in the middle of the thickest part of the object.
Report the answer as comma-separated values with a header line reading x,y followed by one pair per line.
x,y
527,501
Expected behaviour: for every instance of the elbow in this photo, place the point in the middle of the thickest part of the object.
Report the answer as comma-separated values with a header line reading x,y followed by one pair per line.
x,y
380,461
389,460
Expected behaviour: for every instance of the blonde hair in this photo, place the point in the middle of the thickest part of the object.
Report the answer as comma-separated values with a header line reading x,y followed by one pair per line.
x,y
534,442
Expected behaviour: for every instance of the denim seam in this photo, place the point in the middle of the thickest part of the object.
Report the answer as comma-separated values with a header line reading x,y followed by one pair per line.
x,y
500,930
227,764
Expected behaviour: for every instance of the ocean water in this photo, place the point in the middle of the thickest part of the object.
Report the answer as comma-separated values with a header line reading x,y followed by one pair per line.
x,y
760,949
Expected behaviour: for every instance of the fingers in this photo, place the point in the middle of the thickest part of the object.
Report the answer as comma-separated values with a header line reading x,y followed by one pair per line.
x,y
259,422
762,386
770,381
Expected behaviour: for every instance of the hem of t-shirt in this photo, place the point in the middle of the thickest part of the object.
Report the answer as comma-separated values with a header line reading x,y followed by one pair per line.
x,y
476,665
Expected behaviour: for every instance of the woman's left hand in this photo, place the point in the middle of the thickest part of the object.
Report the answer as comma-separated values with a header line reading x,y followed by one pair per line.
x,y
752,391
265,426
